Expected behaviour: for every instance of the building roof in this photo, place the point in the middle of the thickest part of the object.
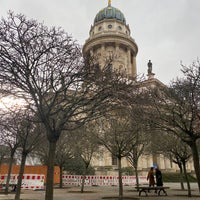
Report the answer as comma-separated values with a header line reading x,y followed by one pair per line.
x,y
110,12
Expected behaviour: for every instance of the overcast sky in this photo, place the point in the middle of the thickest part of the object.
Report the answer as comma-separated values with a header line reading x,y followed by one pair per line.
x,y
166,31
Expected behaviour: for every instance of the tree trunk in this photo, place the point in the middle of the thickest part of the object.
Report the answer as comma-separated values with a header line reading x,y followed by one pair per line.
x,y
21,172
82,183
137,177
136,174
83,179
181,176
61,180
50,171
120,179
187,180
195,155
9,171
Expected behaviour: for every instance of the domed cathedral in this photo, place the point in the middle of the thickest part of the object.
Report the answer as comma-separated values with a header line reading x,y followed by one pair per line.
x,y
109,39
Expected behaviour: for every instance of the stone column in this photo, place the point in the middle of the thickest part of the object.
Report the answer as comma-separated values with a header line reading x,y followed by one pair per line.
x,y
117,49
134,68
129,62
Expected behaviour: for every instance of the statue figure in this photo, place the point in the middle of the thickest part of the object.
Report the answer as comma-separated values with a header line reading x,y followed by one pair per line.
x,y
149,67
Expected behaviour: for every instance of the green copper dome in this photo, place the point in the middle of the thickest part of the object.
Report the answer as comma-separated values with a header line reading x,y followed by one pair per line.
x,y
109,13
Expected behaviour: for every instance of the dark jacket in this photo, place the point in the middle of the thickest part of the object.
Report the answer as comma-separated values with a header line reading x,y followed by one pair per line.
x,y
159,181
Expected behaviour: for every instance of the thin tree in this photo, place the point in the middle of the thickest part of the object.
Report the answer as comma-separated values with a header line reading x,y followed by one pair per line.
x,y
117,135
10,137
85,147
178,152
30,137
136,151
181,155
63,154
135,106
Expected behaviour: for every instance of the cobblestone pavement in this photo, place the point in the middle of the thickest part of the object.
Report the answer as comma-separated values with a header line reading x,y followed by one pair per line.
x,y
97,193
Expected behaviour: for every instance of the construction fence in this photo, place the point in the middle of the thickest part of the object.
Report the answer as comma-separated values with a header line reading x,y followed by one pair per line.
x,y
29,181
76,180
36,181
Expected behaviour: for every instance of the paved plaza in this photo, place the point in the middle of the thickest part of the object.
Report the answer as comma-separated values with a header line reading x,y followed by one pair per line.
x,y
101,192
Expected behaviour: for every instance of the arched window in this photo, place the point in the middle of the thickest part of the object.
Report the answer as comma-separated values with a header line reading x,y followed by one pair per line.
x,y
109,26
119,28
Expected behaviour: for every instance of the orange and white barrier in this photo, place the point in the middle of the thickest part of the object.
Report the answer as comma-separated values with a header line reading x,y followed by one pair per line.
x,y
29,181
101,180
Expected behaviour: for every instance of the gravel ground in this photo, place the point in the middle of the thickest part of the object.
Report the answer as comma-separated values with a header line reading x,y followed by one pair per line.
x,y
109,192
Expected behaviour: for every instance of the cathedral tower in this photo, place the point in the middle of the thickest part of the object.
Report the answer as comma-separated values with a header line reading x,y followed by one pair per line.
x,y
110,37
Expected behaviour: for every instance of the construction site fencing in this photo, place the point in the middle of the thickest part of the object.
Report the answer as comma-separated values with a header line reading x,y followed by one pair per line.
x,y
29,181
76,180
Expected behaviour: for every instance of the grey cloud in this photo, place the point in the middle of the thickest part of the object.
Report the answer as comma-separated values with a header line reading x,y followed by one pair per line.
x,y
166,31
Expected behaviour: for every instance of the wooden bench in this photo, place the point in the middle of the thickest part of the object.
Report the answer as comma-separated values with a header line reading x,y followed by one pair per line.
x,y
157,189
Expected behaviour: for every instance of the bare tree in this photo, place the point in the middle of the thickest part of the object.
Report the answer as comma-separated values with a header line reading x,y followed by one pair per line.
x,y
138,147
63,154
85,147
44,67
9,135
178,152
29,137
136,103
117,135
176,110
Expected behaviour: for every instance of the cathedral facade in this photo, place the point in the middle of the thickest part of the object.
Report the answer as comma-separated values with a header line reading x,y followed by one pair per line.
x,y
110,36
